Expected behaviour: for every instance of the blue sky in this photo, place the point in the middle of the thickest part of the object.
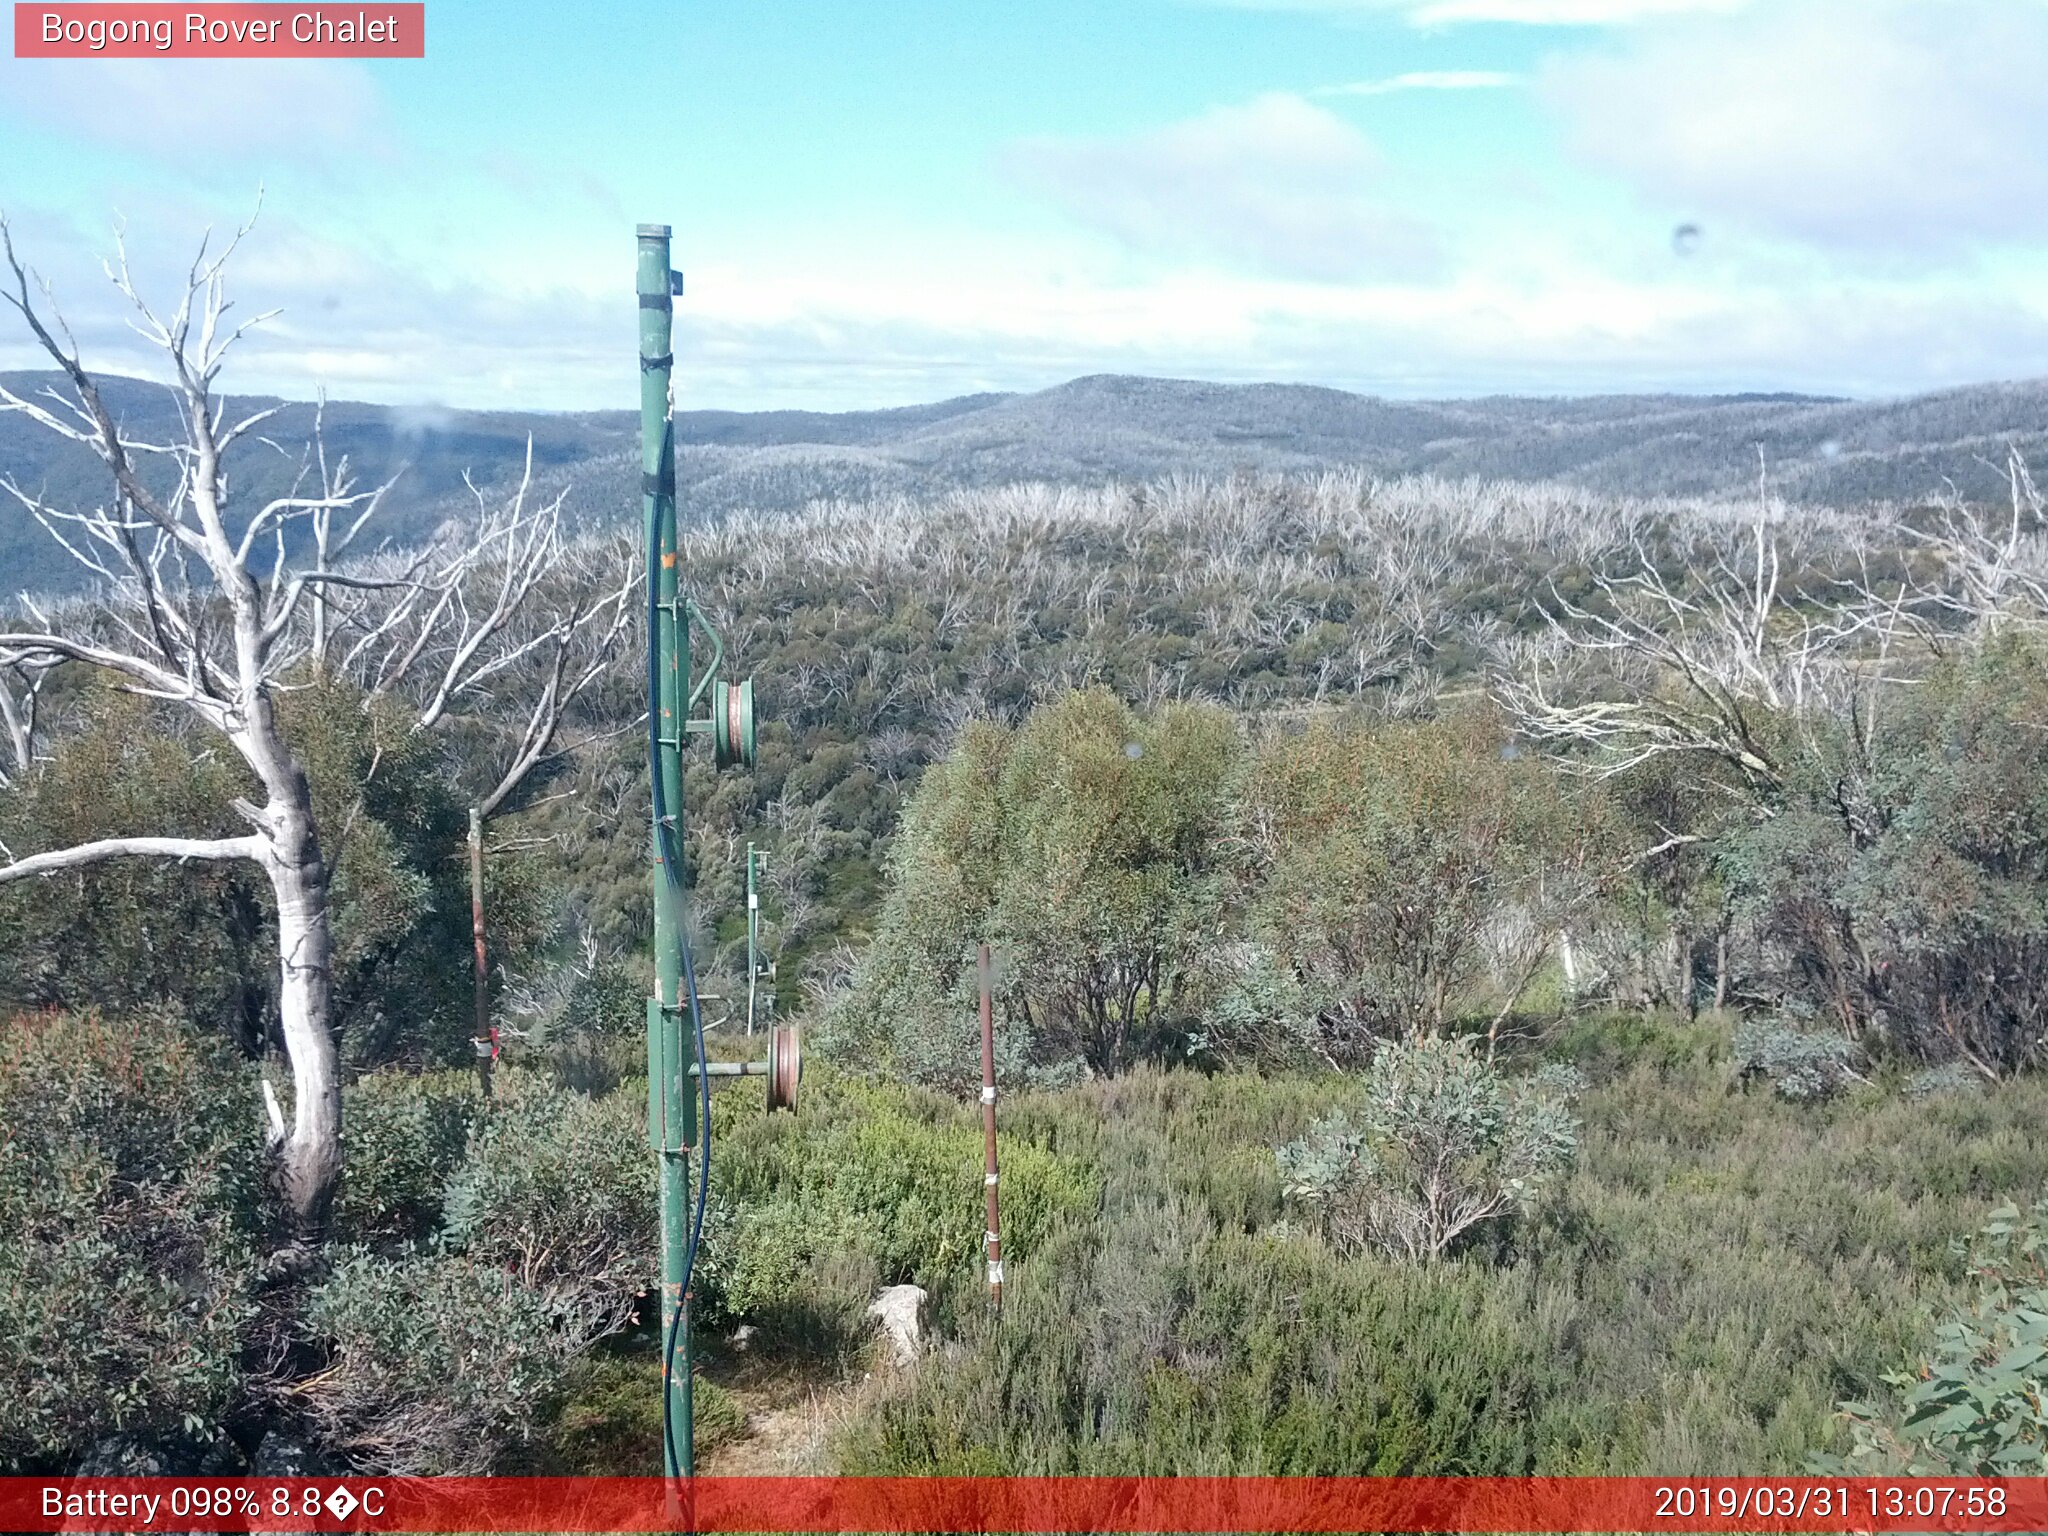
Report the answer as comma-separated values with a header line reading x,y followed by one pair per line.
x,y
883,203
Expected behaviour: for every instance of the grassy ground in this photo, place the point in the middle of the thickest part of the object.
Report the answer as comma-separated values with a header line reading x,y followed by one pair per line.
x,y
1720,1270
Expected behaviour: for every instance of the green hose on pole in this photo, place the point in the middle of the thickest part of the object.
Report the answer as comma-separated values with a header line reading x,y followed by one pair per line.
x,y
671,1093
678,1073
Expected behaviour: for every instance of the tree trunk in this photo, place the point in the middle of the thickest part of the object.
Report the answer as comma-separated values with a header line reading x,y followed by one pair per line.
x,y
485,1042
311,1156
1688,975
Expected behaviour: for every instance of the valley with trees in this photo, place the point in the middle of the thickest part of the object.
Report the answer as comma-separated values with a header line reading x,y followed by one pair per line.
x,y
1494,974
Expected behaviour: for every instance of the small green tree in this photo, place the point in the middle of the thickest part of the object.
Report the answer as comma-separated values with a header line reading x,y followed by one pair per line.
x,y
1902,880
400,882
194,939
200,939
1110,880
1383,860
1670,903
1084,847
909,1012
1439,1143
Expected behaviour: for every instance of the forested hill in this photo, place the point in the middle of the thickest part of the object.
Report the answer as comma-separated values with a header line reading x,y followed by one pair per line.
x,y
1095,429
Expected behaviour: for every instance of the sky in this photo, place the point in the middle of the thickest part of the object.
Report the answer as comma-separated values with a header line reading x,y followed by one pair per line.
x,y
878,204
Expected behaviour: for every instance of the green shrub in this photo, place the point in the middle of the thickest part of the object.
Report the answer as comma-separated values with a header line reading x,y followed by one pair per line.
x,y
441,1365
402,1139
1608,1045
1180,1328
1800,1063
444,1359
1715,1271
1975,1408
559,1191
130,1196
888,1176
1950,1077
606,1421
1158,1345
1258,1014
1439,1143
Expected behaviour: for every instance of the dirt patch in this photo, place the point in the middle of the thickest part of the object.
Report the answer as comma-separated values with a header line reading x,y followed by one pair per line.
x,y
793,1410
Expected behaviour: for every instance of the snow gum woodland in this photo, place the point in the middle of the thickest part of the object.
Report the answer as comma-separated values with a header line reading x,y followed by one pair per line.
x,y
1490,978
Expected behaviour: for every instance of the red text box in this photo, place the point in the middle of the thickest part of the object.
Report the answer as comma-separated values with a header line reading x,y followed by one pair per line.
x,y
240,31
1721,1506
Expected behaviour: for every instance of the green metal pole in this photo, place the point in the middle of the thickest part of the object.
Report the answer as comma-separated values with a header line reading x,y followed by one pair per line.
x,y
672,1106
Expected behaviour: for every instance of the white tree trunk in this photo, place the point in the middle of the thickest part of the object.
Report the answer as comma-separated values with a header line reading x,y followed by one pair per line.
x,y
311,1156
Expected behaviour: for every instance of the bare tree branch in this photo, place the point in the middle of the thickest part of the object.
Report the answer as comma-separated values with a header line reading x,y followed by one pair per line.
x,y
1707,668
179,848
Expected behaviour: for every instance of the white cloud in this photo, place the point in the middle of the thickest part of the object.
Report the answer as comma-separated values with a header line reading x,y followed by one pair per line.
x,y
1276,185
1533,13
1424,80
198,113
837,338
903,324
1897,126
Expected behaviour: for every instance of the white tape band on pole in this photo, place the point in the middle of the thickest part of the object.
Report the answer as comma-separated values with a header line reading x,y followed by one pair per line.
x,y
988,1094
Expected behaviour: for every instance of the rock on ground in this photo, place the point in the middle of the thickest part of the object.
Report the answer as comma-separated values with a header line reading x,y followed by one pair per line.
x,y
900,1312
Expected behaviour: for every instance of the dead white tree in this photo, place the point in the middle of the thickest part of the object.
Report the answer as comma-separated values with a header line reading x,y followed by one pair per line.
x,y
21,693
1987,571
199,603
1712,666
503,603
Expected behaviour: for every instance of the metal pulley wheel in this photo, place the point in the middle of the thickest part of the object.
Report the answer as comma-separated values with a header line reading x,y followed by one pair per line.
x,y
785,1066
732,723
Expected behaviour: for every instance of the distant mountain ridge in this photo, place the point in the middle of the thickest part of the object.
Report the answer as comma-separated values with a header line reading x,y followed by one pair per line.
x,y
1093,429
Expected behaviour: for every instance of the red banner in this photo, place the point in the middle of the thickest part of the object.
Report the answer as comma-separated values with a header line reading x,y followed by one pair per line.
x,y
249,31
1053,1504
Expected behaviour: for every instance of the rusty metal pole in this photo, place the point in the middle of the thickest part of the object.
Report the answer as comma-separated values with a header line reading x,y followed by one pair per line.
x,y
753,941
486,1042
992,1238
